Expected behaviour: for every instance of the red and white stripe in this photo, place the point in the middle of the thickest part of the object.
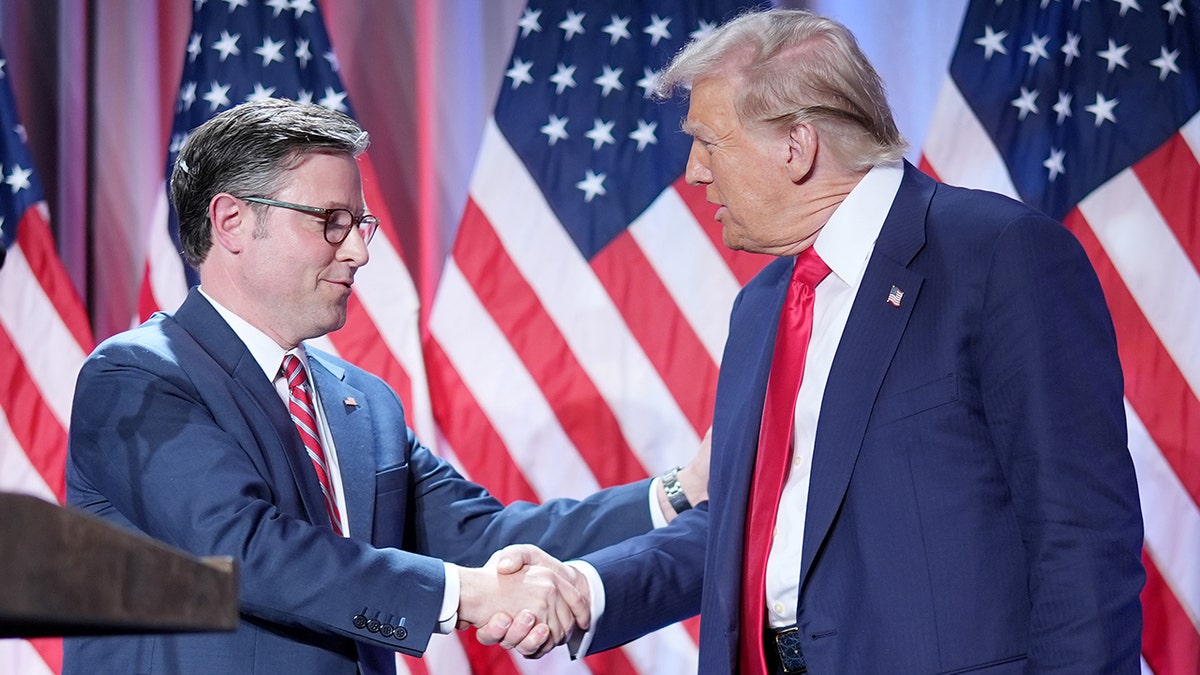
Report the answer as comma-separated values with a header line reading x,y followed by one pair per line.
x,y
552,375
1141,230
44,338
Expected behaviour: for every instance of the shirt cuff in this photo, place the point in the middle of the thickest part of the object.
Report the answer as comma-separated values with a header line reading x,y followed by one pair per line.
x,y
580,641
657,517
449,601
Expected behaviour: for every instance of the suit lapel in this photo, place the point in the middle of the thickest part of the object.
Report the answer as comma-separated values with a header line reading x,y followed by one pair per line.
x,y
349,420
274,429
873,331
745,367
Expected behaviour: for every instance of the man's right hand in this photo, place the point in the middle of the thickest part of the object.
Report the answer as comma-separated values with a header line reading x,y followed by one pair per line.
x,y
524,599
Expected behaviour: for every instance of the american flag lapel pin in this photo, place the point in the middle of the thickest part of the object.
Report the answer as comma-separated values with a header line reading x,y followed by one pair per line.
x,y
895,296
350,402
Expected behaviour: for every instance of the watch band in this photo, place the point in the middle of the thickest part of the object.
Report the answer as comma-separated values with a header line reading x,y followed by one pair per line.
x,y
674,490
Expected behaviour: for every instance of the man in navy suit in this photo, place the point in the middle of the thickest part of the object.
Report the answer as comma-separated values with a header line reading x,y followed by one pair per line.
x,y
959,495
214,429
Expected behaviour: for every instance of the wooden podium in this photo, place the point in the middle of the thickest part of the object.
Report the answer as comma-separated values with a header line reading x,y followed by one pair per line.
x,y
63,572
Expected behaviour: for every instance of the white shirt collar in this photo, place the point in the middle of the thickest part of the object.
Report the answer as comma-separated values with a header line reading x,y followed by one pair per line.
x,y
847,240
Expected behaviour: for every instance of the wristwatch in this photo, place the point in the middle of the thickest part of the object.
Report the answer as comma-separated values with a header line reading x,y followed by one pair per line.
x,y
674,490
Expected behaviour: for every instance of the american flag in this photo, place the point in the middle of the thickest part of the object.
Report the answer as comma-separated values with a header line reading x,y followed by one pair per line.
x,y
44,337
576,333
1087,110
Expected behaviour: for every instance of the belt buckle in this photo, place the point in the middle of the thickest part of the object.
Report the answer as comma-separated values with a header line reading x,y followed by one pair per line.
x,y
787,645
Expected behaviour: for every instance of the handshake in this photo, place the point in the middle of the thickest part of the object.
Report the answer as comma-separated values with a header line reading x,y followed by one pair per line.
x,y
524,599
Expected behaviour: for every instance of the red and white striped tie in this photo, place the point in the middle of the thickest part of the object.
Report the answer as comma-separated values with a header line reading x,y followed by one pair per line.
x,y
300,405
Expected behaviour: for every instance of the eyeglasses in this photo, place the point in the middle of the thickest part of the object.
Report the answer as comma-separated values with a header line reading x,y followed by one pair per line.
x,y
338,222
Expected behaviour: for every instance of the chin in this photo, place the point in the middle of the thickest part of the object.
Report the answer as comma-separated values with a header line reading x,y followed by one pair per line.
x,y
731,242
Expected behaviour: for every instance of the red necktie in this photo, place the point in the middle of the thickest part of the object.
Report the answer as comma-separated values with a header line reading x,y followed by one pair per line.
x,y
775,449
300,405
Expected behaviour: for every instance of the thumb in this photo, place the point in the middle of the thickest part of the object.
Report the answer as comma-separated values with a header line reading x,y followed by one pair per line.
x,y
512,559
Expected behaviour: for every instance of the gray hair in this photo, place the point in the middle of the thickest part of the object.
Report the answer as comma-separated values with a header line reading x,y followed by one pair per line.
x,y
797,67
246,151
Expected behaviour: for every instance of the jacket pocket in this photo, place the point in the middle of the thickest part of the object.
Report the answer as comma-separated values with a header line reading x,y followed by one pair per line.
x,y
1012,664
916,400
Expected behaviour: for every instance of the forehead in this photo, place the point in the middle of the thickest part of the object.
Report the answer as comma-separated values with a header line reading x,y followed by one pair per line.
x,y
711,108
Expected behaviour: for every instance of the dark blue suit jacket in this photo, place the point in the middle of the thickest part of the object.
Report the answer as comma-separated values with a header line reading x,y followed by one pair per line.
x,y
176,434
973,506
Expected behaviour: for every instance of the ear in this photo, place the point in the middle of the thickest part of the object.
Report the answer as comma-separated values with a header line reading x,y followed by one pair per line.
x,y
802,151
230,221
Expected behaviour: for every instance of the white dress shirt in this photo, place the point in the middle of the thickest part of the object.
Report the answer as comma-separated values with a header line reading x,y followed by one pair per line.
x,y
845,244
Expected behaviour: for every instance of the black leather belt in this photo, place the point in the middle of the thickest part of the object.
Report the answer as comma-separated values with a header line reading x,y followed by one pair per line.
x,y
782,647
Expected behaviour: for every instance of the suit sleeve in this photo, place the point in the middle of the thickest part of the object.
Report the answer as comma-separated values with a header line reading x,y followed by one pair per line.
x,y
459,521
651,581
1052,393
464,524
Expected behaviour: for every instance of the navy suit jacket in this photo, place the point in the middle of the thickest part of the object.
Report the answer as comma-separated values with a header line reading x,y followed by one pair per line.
x,y
176,434
973,506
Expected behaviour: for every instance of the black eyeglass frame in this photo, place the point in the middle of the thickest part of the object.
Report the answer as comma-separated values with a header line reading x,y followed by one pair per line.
x,y
370,222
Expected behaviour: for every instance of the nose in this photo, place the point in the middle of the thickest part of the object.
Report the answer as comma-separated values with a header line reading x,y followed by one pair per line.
x,y
353,249
697,172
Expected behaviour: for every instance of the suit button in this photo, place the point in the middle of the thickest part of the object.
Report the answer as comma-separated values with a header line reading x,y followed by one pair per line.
x,y
386,630
360,621
373,625
401,632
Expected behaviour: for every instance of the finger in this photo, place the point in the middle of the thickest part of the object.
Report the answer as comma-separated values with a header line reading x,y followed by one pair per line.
x,y
495,629
522,625
577,597
562,616
537,644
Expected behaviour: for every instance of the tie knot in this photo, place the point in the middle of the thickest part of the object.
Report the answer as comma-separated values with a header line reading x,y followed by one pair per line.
x,y
292,370
810,269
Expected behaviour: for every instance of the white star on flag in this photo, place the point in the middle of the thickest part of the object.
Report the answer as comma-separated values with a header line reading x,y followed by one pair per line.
x,y
644,134
18,178
617,29
609,80
992,42
592,185
519,73
657,30
572,25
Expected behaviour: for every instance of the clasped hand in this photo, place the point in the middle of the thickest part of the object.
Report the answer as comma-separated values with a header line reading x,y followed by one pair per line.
x,y
524,599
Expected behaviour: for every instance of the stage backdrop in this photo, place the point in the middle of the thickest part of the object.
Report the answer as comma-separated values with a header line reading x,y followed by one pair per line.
x,y
543,348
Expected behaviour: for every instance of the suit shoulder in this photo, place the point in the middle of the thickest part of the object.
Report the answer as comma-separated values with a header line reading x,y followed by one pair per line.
x,y
952,200
156,338
958,212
